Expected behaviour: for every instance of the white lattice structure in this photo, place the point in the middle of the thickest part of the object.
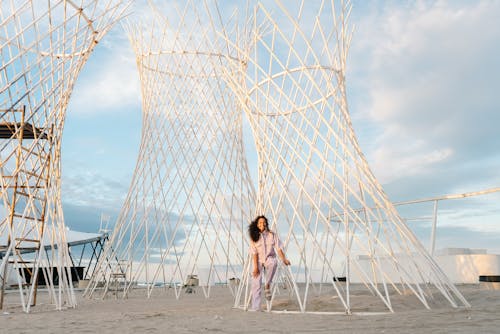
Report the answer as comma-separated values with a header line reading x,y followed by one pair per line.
x,y
43,47
315,185
191,198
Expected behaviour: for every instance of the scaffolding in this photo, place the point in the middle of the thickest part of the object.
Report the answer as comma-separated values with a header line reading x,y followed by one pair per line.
x,y
43,47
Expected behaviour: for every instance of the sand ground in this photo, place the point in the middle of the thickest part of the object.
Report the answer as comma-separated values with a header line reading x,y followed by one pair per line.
x,y
193,313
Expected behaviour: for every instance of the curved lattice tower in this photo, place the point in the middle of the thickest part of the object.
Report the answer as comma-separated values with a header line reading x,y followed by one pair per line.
x,y
341,232
191,196
43,47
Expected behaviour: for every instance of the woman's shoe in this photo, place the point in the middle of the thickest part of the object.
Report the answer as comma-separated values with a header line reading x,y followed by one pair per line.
x,y
268,294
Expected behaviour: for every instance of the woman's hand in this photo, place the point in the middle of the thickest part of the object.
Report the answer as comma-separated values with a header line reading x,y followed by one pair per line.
x,y
283,257
255,272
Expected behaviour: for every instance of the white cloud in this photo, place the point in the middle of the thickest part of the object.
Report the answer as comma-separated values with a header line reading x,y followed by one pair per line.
x,y
110,80
405,163
428,72
84,187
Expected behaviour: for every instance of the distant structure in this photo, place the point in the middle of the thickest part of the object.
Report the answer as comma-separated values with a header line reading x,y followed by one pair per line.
x,y
315,185
43,47
184,220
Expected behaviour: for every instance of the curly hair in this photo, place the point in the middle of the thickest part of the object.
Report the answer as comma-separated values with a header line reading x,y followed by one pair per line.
x,y
254,231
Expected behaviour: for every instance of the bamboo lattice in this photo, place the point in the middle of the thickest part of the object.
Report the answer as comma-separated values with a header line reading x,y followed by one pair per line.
x,y
43,47
341,231
191,197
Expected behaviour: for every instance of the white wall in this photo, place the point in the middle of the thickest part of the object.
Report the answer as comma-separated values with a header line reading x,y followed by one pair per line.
x,y
466,268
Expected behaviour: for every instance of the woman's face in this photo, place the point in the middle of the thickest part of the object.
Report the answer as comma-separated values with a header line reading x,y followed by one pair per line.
x,y
261,224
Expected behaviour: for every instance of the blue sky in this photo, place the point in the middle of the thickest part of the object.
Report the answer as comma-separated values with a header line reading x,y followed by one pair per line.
x,y
423,95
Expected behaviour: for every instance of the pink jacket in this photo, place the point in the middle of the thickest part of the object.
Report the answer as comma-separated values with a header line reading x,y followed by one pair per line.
x,y
266,245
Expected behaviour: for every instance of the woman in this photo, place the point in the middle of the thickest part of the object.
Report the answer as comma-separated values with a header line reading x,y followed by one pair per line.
x,y
263,247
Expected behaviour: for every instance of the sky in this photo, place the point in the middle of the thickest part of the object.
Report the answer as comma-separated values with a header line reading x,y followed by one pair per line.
x,y
422,87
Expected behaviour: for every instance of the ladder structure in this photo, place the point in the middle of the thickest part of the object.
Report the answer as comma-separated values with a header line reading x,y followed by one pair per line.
x,y
25,197
43,47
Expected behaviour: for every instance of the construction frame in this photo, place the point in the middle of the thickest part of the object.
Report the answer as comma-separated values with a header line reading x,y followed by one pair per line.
x,y
43,48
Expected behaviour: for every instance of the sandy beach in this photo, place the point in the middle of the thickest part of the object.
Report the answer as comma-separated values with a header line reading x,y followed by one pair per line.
x,y
193,313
